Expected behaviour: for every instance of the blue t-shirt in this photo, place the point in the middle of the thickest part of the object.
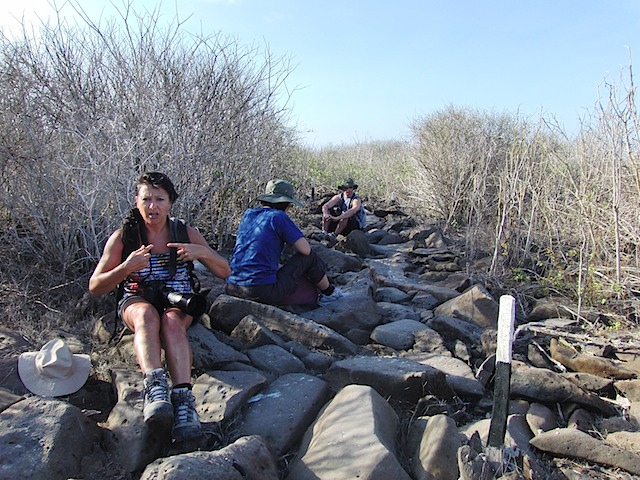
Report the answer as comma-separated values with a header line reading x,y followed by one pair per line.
x,y
262,235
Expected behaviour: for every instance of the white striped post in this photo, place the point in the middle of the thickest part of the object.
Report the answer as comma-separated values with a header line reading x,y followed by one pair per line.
x,y
502,379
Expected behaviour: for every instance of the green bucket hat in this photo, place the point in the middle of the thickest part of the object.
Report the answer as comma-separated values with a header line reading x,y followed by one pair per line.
x,y
348,183
279,191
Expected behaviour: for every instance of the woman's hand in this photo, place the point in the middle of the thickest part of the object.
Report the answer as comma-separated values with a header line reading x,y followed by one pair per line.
x,y
188,252
138,259
111,270
200,250
331,218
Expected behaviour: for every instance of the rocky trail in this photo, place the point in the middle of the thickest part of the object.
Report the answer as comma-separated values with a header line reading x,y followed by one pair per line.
x,y
393,381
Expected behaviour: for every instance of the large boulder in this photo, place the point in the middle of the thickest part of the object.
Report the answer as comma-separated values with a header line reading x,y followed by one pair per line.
x,y
573,443
353,437
436,457
396,378
475,305
227,311
248,458
545,386
44,439
282,412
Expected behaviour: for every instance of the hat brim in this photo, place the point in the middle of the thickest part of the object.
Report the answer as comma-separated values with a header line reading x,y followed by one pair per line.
x,y
344,187
275,198
53,387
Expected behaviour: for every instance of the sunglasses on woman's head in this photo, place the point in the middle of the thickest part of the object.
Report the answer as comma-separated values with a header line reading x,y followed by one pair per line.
x,y
155,177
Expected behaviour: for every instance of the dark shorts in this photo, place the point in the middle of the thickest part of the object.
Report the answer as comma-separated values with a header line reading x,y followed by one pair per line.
x,y
290,276
160,308
352,224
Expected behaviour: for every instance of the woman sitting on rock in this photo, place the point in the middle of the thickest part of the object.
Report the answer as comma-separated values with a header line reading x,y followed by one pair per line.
x,y
146,258
344,212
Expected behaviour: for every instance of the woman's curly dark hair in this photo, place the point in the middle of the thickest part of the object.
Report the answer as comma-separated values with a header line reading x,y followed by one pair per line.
x,y
130,229
158,180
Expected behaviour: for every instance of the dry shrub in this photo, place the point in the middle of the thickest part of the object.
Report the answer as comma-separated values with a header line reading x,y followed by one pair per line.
x,y
84,109
546,208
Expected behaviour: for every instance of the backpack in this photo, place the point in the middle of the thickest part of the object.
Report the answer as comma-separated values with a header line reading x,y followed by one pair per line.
x,y
179,234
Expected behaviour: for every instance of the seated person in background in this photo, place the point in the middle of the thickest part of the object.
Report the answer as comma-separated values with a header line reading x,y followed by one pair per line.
x,y
344,212
255,269
145,257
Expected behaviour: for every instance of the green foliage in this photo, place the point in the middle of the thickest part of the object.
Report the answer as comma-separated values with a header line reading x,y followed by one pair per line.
x,y
521,275
615,325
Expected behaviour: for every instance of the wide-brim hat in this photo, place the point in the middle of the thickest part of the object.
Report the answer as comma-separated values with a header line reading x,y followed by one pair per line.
x,y
348,183
54,370
279,191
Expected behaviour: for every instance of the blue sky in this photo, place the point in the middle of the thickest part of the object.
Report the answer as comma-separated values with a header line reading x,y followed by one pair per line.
x,y
365,69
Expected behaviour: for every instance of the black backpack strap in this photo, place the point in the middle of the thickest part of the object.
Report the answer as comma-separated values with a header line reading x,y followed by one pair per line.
x,y
180,234
179,230
132,237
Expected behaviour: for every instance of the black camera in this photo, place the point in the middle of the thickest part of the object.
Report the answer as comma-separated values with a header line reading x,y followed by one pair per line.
x,y
161,297
192,304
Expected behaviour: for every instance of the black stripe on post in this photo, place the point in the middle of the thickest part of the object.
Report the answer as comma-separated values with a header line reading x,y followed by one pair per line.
x,y
502,383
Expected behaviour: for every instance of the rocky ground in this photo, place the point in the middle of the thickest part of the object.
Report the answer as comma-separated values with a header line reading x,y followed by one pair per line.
x,y
395,380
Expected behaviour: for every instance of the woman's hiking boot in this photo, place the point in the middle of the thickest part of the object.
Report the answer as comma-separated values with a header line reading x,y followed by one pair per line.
x,y
186,423
157,400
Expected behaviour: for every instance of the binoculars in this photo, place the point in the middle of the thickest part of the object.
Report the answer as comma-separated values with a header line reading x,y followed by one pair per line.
x,y
190,303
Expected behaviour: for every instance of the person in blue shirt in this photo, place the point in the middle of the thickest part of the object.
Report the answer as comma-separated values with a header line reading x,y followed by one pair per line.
x,y
256,273
344,212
